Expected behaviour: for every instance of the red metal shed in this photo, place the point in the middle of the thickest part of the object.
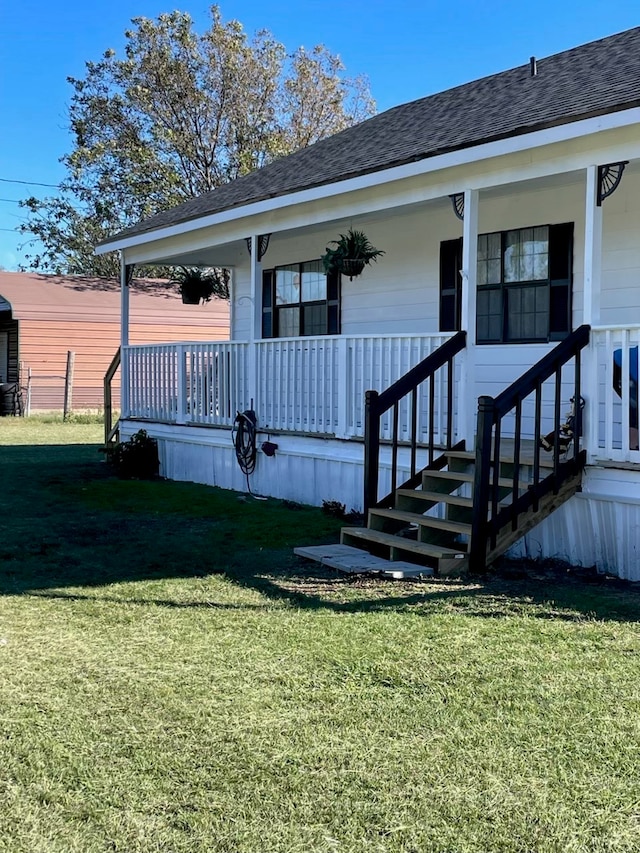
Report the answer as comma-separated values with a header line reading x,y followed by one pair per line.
x,y
42,317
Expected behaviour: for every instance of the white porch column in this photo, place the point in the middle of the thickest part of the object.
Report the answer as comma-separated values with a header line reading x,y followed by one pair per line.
x,y
591,307
592,250
256,320
467,396
124,338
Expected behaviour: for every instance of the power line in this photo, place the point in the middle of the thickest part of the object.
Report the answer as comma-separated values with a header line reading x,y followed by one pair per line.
x,y
12,200
28,183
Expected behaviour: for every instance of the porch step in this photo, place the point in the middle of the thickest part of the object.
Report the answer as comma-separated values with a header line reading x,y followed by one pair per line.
x,y
435,497
468,477
457,527
437,556
506,457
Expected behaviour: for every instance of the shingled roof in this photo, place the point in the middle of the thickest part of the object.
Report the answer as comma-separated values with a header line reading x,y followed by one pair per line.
x,y
597,78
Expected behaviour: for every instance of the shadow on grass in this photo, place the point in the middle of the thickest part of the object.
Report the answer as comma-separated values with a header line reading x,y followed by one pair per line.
x,y
492,597
67,523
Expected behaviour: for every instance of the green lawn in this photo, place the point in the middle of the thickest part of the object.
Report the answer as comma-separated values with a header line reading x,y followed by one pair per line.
x,y
172,679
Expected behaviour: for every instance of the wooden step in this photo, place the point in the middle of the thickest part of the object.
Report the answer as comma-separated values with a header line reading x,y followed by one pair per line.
x,y
526,459
353,535
435,497
456,527
468,477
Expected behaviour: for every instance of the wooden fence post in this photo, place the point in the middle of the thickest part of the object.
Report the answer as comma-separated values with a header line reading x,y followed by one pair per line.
x,y
68,384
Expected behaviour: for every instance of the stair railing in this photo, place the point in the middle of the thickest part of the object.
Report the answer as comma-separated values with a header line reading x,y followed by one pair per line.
x,y
110,429
377,404
492,508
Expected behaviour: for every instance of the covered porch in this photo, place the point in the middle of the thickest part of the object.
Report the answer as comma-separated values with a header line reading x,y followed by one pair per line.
x,y
316,387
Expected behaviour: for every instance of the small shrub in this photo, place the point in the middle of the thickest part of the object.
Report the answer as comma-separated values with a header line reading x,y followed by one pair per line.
x,y
136,459
334,508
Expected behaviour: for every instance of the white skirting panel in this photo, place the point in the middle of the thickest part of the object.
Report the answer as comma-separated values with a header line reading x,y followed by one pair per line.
x,y
304,469
598,527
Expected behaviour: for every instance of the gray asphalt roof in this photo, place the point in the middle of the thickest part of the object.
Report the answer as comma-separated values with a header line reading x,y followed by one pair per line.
x,y
597,78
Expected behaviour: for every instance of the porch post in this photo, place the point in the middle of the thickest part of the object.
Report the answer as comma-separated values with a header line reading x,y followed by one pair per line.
x,y
591,306
124,337
256,322
592,250
467,396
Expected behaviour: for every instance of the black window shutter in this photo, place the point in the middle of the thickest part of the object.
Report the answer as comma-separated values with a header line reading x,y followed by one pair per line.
x,y
560,276
450,285
268,300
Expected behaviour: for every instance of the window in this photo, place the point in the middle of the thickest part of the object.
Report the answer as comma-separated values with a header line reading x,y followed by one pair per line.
x,y
524,284
300,299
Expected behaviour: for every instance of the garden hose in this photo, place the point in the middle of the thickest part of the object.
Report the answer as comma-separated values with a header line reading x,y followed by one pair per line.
x,y
243,436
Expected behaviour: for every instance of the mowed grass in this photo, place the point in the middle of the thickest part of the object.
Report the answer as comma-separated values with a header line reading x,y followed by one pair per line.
x,y
172,679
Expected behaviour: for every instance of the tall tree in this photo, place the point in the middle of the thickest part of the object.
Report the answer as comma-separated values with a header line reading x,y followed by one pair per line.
x,y
180,114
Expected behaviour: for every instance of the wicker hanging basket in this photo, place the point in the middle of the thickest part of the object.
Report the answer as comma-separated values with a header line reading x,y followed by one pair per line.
x,y
352,267
352,253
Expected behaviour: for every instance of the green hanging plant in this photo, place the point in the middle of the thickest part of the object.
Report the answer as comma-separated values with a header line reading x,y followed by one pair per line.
x,y
352,253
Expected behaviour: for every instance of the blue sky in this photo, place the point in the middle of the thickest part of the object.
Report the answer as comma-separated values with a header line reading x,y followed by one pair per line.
x,y
407,49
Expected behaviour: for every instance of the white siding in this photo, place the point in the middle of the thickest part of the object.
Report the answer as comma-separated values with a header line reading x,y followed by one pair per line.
x,y
400,293
621,253
599,527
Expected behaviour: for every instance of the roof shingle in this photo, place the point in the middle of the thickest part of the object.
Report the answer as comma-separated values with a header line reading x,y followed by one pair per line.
x,y
597,78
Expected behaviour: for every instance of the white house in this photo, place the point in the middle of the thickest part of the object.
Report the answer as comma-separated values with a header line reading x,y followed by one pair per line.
x,y
508,208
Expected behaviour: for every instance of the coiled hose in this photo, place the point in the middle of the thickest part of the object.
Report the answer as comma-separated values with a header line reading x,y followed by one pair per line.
x,y
243,436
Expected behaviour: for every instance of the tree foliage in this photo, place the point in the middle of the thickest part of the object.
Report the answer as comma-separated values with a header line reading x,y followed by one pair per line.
x,y
178,115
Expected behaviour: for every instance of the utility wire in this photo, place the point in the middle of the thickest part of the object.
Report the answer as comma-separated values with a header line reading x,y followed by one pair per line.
x,y
28,183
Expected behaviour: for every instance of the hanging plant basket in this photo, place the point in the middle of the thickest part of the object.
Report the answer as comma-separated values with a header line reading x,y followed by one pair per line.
x,y
352,253
352,267
198,285
190,297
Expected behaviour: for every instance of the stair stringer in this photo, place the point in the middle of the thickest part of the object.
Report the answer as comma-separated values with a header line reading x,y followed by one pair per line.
x,y
530,519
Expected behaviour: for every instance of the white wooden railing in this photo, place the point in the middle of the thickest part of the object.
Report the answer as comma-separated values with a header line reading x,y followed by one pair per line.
x,y
204,383
615,354
317,385
306,385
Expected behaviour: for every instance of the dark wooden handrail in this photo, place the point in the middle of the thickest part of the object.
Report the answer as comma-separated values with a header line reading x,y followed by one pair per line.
x,y
490,513
110,428
377,404
542,370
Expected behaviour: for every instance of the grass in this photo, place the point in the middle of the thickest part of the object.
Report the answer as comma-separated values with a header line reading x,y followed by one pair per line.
x,y
172,679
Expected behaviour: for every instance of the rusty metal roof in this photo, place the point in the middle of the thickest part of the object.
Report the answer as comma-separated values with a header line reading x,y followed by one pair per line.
x,y
32,296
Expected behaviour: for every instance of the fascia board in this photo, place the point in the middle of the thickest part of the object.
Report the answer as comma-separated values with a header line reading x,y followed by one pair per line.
x,y
487,150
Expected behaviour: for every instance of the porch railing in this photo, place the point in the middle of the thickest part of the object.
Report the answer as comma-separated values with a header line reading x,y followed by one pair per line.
x,y
110,429
616,354
312,385
203,383
494,505
407,397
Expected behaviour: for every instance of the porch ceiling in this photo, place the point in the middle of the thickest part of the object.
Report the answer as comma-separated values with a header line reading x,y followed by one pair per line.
x,y
234,253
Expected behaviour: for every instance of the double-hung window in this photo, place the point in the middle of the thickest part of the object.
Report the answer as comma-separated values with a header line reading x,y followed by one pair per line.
x,y
524,284
300,299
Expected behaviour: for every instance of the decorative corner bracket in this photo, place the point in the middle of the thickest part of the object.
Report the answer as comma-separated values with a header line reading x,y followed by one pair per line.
x,y
263,245
130,270
457,202
609,177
